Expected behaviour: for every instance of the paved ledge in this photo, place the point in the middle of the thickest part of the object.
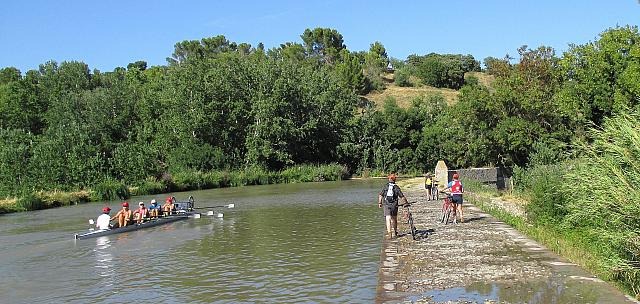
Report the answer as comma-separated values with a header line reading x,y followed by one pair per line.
x,y
481,260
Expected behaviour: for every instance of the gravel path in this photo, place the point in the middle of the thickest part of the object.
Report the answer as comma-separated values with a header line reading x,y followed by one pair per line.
x,y
479,261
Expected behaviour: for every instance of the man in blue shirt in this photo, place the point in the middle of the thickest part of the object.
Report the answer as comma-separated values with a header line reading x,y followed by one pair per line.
x,y
154,209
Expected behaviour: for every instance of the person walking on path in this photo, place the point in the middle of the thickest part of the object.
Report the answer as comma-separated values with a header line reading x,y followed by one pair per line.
x,y
428,184
456,192
389,195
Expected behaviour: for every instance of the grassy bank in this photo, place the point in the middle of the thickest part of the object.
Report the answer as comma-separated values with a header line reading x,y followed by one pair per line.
x,y
182,181
576,245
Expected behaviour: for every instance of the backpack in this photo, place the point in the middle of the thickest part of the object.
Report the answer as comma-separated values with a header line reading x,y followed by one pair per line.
x,y
391,197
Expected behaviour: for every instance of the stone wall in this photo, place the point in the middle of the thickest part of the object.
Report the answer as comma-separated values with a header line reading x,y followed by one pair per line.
x,y
495,176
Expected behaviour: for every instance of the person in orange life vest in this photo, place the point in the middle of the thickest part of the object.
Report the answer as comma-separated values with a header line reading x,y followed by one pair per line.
x,y
141,213
124,216
168,206
456,192
391,193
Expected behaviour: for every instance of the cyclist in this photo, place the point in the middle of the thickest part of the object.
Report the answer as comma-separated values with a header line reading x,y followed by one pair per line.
x,y
428,184
456,192
391,193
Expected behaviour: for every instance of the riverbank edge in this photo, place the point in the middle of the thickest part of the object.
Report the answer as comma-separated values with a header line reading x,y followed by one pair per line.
x,y
565,247
571,248
40,200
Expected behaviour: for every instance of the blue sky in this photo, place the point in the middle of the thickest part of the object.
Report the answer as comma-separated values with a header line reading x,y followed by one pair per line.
x,y
108,34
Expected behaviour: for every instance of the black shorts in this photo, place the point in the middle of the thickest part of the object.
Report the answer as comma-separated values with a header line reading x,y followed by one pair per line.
x,y
457,199
428,187
390,210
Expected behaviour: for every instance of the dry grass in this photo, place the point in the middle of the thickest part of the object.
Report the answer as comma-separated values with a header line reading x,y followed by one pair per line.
x,y
483,78
9,202
404,95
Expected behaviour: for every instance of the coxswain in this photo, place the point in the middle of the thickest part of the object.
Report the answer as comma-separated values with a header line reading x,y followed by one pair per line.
x,y
154,209
103,221
124,216
141,214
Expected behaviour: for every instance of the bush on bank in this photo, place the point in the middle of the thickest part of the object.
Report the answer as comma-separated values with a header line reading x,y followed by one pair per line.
x,y
588,208
180,181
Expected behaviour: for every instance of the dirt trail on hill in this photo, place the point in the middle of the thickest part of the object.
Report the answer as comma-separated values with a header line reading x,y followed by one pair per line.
x,y
481,260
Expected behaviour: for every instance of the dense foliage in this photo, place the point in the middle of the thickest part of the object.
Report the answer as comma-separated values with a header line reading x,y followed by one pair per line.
x,y
222,113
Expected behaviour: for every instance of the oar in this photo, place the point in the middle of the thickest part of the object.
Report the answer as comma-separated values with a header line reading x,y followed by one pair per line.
x,y
221,206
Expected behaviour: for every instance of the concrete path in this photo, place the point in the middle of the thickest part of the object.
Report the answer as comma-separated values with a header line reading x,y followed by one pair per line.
x,y
481,260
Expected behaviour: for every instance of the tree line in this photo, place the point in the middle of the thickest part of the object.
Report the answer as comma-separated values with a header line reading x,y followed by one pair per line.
x,y
220,105
567,124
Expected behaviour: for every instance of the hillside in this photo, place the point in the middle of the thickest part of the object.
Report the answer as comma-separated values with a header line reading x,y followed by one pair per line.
x,y
404,95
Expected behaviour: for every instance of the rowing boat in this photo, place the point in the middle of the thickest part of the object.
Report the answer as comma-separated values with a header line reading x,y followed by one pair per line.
x,y
183,210
133,227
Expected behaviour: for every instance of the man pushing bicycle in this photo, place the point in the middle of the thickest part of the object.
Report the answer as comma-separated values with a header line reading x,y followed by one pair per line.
x,y
391,193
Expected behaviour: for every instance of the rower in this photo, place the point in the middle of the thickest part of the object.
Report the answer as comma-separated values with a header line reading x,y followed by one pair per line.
x,y
154,209
103,220
141,214
124,216
168,207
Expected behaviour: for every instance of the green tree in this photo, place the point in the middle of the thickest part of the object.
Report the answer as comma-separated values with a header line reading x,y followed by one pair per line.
x,y
323,43
600,78
349,71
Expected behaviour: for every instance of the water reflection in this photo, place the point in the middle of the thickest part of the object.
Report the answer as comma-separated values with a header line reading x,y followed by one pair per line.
x,y
556,289
286,253
104,265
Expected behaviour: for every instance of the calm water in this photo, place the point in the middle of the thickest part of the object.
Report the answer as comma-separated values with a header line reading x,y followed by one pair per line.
x,y
313,242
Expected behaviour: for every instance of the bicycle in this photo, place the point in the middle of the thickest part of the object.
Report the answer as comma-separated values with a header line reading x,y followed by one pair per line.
x,y
414,231
448,207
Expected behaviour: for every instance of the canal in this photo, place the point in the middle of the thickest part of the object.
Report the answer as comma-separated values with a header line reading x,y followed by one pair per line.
x,y
312,242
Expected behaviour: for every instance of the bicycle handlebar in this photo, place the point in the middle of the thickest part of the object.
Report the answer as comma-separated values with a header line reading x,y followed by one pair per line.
x,y
408,204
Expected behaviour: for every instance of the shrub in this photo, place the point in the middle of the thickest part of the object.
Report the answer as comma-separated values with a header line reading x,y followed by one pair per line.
x,y
188,180
109,190
604,200
28,202
401,78
546,199
149,186
215,179
56,198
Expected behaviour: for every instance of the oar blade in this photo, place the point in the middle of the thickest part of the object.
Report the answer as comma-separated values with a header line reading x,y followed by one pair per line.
x,y
231,206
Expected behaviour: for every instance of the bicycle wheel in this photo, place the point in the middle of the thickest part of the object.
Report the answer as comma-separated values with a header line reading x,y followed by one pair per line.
x,y
413,228
447,215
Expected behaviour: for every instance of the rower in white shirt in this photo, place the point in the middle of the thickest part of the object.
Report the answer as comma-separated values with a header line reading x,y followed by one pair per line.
x,y
103,220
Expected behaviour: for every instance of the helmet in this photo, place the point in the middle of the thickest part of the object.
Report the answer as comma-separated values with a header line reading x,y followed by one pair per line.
x,y
106,210
456,176
141,204
153,201
125,204
392,177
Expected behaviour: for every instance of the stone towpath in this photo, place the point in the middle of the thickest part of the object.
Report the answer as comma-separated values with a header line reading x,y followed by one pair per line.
x,y
481,260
